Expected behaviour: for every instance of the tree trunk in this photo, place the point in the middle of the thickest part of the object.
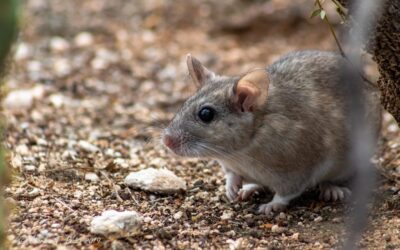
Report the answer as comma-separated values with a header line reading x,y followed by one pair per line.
x,y
384,44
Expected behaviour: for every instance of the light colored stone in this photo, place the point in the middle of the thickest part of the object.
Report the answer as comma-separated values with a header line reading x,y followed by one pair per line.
x,y
29,168
318,219
295,236
121,163
88,147
23,52
227,215
92,177
178,215
83,39
22,149
23,98
61,66
156,180
58,44
16,161
57,100
277,229
114,222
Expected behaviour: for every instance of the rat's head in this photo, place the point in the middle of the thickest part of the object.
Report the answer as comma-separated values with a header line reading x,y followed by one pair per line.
x,y
220,117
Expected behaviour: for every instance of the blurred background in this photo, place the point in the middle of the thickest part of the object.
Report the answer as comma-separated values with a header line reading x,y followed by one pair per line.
x,y
93,82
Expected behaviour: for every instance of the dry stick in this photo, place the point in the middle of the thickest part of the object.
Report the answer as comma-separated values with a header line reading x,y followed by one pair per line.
x,y
113,185
64,204
326,19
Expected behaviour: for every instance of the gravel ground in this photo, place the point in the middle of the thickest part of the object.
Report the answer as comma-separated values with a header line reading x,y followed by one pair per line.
x,y
100,80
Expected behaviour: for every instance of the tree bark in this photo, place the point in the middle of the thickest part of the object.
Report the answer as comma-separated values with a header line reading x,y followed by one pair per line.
x,y
384,45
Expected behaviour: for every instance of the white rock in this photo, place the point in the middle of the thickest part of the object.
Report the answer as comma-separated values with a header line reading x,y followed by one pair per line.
x,y
98,63
23,98
156,180
62,66
277,229
92,177
34,193
57,100
318,219
23,52
83,39
227,215
393,128
58,44
34,66
22,149
236,244
88,147
121,163
158,162
41,142
29,168
295,236
178,215
114,222
398,169
16,161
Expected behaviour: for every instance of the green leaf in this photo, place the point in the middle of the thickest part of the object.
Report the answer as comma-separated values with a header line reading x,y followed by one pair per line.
x,y
315,13
322,14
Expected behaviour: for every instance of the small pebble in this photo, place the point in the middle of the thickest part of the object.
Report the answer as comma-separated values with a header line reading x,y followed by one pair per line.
x,y
318,219
88,147
178,215
277,229
29,168
227,215
83,39
58,44
92,177
295,236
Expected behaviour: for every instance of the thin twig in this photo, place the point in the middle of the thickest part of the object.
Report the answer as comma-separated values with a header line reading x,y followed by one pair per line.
x,y
64,204
113,185
326,19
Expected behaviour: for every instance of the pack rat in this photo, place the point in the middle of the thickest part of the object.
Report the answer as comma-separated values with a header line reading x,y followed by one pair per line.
x,y
282,127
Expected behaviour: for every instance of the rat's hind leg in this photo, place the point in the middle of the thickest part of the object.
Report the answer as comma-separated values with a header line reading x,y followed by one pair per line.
x,y
333,192
247,190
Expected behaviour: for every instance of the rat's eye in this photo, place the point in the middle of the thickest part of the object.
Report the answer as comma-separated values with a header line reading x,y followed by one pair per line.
x,y
206,114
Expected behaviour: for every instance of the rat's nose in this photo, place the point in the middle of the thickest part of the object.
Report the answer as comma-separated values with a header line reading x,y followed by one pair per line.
x,y
170,141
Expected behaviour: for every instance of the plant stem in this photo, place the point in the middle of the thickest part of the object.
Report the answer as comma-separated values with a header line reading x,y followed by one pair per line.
x,y
339,46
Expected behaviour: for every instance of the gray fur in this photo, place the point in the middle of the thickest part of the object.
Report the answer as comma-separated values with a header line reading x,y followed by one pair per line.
x,y
297,140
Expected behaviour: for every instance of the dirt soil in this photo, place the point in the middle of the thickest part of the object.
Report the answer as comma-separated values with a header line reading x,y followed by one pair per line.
x,y
115,86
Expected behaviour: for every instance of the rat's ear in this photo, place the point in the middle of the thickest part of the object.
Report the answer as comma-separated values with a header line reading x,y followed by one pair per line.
x,y
197,71
251,91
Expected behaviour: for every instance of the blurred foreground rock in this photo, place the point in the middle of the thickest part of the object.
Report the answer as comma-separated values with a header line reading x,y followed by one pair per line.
x,y
114,222
23,98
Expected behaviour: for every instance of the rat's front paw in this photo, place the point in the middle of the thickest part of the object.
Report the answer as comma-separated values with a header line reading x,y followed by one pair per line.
x,y
233,184
232,192
330,192
248,190
271,207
